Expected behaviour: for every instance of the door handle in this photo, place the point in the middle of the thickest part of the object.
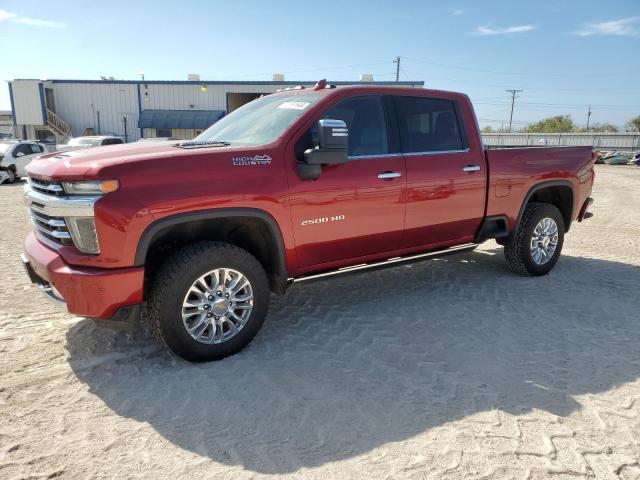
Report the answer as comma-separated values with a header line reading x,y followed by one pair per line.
x,y
389,175
471,168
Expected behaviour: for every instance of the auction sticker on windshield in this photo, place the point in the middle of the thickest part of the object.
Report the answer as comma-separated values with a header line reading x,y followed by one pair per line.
x,y
294,105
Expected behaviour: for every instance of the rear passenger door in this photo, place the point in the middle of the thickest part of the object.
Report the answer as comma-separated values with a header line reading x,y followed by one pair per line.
x,y
445,179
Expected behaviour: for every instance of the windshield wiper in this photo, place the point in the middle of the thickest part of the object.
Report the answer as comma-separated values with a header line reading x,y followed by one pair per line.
x,y
204,143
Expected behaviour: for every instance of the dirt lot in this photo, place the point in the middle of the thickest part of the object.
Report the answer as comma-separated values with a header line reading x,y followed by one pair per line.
x,y
453,368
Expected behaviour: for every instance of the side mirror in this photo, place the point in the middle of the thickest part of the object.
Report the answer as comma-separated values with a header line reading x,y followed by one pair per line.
x,y
332,149
19,154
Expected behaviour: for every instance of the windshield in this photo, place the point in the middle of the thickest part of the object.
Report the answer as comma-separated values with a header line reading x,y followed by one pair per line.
x,y
84,141
260,121
4,147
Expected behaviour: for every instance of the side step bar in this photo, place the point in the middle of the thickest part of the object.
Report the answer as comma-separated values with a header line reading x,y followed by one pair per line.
x,y
391,262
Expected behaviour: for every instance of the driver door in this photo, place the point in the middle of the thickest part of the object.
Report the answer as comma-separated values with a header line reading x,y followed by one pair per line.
x,y
354,209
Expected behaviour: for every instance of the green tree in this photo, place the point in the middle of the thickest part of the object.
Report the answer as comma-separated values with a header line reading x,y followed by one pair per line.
x,y
487,129
633,125
557,124
600,128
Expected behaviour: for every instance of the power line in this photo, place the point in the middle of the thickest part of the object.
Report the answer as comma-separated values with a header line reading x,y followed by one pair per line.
x,y
497,72
565,105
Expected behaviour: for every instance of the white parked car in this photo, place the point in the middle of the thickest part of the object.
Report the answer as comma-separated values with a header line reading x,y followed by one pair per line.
x,y
15,155
89,142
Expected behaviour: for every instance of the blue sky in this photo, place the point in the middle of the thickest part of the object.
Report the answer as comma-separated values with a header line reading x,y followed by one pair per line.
x,y
564,54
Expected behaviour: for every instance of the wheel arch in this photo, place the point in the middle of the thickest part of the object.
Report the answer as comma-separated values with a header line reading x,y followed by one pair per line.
x,y
245,227
556,192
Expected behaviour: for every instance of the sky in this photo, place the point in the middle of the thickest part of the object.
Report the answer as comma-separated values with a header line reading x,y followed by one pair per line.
x,y
564,55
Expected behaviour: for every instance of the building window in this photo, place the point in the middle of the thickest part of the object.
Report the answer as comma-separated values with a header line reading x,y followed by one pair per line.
x,y
163,132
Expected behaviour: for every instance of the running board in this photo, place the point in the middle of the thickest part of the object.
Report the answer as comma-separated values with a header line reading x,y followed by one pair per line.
x,y
390,262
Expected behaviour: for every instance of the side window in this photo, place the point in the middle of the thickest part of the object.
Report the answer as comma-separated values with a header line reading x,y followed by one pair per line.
x,y
111,141
22,148
366,122
428,125
35,148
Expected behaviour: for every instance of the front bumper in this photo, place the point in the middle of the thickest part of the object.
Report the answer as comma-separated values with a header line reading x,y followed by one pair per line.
x,y
83,291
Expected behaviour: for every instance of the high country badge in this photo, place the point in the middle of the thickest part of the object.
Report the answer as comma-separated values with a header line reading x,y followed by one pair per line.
x,y
252,161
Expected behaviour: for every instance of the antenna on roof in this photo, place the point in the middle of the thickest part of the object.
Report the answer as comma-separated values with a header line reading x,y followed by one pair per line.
x,y
321,84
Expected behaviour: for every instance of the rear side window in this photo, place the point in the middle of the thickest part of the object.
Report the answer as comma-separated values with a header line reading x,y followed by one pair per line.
x,y
111,141
366,122
428,125
36,148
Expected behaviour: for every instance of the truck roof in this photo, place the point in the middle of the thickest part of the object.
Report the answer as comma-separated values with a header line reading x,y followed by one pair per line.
x,y
333,89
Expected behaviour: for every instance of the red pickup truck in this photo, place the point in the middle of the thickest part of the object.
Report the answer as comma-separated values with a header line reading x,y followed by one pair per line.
x,y
301,184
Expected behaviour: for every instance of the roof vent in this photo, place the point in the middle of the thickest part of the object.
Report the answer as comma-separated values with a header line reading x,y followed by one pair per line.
x,y
278,77
193,77
366,77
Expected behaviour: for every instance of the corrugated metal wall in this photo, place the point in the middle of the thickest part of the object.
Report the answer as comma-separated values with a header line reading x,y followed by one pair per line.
x,y
191,97
80,104
27,102
603,141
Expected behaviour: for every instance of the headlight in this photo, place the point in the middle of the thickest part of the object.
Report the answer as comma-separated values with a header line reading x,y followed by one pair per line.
x,y
83,229
90,187
83,233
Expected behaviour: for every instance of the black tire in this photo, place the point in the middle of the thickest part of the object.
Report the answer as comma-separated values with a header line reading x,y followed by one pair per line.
x,y
517,252
177,274
12,175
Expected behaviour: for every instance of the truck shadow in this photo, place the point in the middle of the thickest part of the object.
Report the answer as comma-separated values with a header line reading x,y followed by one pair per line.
x,y
342,367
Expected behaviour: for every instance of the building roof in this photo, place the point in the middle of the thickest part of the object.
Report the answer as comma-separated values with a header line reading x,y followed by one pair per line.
x,y
409,83
178,118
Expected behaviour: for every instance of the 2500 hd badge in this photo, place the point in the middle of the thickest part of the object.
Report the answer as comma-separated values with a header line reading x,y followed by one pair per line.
x,y
315,221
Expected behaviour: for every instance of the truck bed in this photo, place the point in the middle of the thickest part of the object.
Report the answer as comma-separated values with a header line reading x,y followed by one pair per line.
x,y
513,172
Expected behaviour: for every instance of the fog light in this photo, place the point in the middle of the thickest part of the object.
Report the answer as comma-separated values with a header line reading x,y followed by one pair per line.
x,y
83,233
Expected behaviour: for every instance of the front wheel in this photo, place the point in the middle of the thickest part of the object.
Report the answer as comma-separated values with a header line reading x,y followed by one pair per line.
x,y
11,175
208,301
535,247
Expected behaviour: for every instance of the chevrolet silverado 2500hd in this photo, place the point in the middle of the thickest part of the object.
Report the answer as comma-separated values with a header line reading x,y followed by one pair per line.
x,y
301,184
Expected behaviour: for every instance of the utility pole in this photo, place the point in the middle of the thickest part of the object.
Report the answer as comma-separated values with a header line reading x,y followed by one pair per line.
x,y
513,101
397,62
588,117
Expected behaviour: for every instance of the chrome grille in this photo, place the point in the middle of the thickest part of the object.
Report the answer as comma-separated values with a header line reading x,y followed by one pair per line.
x,y
46,187
53,228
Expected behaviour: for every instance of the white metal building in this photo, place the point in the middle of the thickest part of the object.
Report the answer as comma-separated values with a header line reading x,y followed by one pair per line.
x,y
54,110
6,123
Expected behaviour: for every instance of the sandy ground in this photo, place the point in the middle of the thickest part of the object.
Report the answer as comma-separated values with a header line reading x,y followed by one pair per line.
x,y
453,368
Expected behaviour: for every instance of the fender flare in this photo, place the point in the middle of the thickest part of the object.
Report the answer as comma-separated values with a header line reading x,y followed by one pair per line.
x,y
161,224
540,186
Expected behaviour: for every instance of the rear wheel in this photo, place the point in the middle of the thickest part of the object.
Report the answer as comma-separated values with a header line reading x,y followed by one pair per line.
x,y
535,247
208,301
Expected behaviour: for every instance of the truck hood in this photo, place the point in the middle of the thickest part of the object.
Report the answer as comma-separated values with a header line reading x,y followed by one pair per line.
x,y
87,163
